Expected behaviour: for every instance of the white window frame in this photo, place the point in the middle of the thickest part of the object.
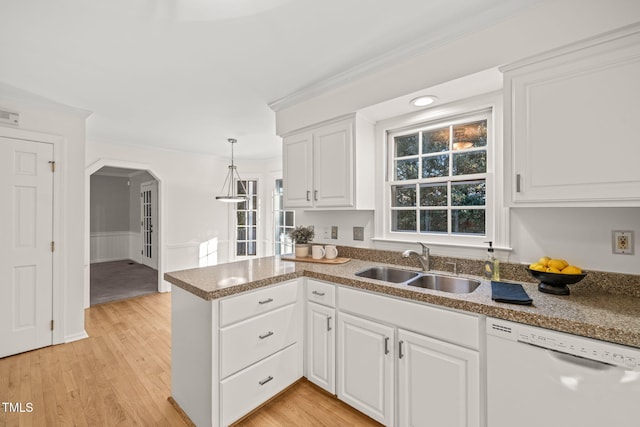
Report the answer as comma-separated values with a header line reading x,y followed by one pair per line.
x,y
497,224
259,222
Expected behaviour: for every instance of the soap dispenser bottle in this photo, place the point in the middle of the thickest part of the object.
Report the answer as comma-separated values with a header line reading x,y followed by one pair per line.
x,y
491,265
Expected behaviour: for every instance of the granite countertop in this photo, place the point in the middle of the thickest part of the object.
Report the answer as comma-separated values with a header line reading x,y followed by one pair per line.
x,y
609,317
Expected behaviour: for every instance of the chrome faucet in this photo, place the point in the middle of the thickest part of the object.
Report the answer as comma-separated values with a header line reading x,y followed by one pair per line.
x,y
423,258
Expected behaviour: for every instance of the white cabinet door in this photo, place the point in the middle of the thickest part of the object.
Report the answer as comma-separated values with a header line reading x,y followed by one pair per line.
x,y
333,165
297,172
438,384
365,366
570,120
321,354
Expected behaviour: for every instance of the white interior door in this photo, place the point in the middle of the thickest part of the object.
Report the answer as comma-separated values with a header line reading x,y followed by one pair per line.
x,y
148,221
26,244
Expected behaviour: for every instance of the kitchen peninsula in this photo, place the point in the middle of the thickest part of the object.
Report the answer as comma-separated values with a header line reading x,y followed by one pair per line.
x,y
216,310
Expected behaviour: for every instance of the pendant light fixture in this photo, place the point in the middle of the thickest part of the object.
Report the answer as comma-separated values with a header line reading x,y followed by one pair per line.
x,y
232,194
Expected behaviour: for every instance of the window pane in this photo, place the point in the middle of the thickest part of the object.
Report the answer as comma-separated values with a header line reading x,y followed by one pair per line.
x,y
468,221
406,145
469,193
470,135
403,195
240,187
435,141
252,233
433,195
241,248
288,218
468,163
406,169
403,220
434,166
242,233
241,218
433,221
251,248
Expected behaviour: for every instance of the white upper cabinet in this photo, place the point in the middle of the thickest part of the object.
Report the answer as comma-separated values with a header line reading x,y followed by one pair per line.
x,y
330,165
571,124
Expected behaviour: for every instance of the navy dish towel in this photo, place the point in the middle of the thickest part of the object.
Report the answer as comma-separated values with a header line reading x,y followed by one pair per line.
x,y
510,293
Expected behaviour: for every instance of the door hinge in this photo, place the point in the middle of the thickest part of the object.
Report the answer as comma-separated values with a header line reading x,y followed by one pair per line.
x,y
52,325
53,246
53,165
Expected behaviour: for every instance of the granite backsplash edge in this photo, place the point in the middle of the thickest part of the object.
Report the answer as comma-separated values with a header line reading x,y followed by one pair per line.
x,y
596,281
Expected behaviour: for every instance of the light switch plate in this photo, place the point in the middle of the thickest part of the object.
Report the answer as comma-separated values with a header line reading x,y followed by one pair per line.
x,y
358,233
622,242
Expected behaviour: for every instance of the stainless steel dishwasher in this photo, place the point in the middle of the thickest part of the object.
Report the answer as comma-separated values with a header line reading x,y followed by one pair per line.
x,y
538,377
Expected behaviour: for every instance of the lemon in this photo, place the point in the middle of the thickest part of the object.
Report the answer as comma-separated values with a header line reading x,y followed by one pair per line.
x,y
558,264
544,261
552,270
571,269
537,267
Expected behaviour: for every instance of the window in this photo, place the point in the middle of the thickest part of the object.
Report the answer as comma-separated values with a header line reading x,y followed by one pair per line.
x,y
284,223
247,219
438,177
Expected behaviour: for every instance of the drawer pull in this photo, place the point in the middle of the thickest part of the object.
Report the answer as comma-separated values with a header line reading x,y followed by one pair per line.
x,y
386,345
320,294
266,301
267,335
329,323
400,354
266,380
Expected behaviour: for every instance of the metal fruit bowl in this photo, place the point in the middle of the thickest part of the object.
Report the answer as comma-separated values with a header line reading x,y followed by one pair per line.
x,y
554,283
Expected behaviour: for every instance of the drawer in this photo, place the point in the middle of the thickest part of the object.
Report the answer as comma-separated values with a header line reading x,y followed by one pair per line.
x,y
240,307
247,342
454,327
248,389
321,292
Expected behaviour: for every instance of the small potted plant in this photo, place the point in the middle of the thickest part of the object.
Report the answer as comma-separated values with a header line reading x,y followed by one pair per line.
x,y
301,236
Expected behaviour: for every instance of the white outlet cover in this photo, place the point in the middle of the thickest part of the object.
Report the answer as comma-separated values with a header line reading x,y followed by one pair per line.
x,y
624,236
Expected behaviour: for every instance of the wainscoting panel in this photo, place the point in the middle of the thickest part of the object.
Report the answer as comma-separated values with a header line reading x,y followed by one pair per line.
x,y
111,245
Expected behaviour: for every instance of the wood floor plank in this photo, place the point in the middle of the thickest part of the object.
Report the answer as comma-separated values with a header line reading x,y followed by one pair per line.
x,y
121,376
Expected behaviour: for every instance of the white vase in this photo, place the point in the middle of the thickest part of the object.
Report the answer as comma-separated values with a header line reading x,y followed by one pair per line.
x,y
302,250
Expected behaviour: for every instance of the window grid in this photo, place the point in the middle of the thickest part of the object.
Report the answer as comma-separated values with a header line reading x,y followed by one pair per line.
x,y
247,219
284,222
432,160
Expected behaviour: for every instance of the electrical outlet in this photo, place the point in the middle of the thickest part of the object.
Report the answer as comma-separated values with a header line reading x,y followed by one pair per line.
x,y
358,233
622,242
334,231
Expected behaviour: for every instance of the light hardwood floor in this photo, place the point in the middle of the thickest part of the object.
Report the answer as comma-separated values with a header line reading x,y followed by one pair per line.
x,y
121,376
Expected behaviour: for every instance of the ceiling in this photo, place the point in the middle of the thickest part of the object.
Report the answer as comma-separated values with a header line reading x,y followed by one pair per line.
x,y
188,74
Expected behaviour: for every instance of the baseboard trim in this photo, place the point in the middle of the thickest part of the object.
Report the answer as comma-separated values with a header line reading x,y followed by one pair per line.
x,y
180,412
76,337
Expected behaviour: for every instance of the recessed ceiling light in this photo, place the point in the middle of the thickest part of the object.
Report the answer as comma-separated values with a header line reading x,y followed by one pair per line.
x,y
423,101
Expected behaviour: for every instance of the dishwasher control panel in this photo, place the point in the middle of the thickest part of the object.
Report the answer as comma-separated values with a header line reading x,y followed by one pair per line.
x,y
601,351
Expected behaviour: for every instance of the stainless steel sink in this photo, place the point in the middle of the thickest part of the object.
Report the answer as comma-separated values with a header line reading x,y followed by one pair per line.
x,y
455,285
388,274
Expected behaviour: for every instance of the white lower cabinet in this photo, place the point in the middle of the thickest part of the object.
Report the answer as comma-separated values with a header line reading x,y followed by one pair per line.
x,y
438,383
321,346
433,352
365,366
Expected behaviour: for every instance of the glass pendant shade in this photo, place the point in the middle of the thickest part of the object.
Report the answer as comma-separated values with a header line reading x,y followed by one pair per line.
x,y
231,195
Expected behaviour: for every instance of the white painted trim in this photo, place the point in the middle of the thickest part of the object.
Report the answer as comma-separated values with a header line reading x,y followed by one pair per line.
x,y
112,246
163,286
59,278
75,337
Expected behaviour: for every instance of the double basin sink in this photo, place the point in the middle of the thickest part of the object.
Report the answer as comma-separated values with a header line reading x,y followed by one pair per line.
x,y
451,284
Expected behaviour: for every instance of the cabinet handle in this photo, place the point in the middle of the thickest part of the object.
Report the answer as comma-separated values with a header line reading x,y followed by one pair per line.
x,y
267,335
517,183
266,380
308,196
400,355
329,323
386,345
266,301
315,195
320,294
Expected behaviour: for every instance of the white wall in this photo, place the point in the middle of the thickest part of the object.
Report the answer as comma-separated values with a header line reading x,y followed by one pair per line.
x,y
189,214
109,203
582,235
41,115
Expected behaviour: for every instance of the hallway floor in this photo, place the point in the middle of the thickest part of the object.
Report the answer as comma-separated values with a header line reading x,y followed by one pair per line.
x,y
118,280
